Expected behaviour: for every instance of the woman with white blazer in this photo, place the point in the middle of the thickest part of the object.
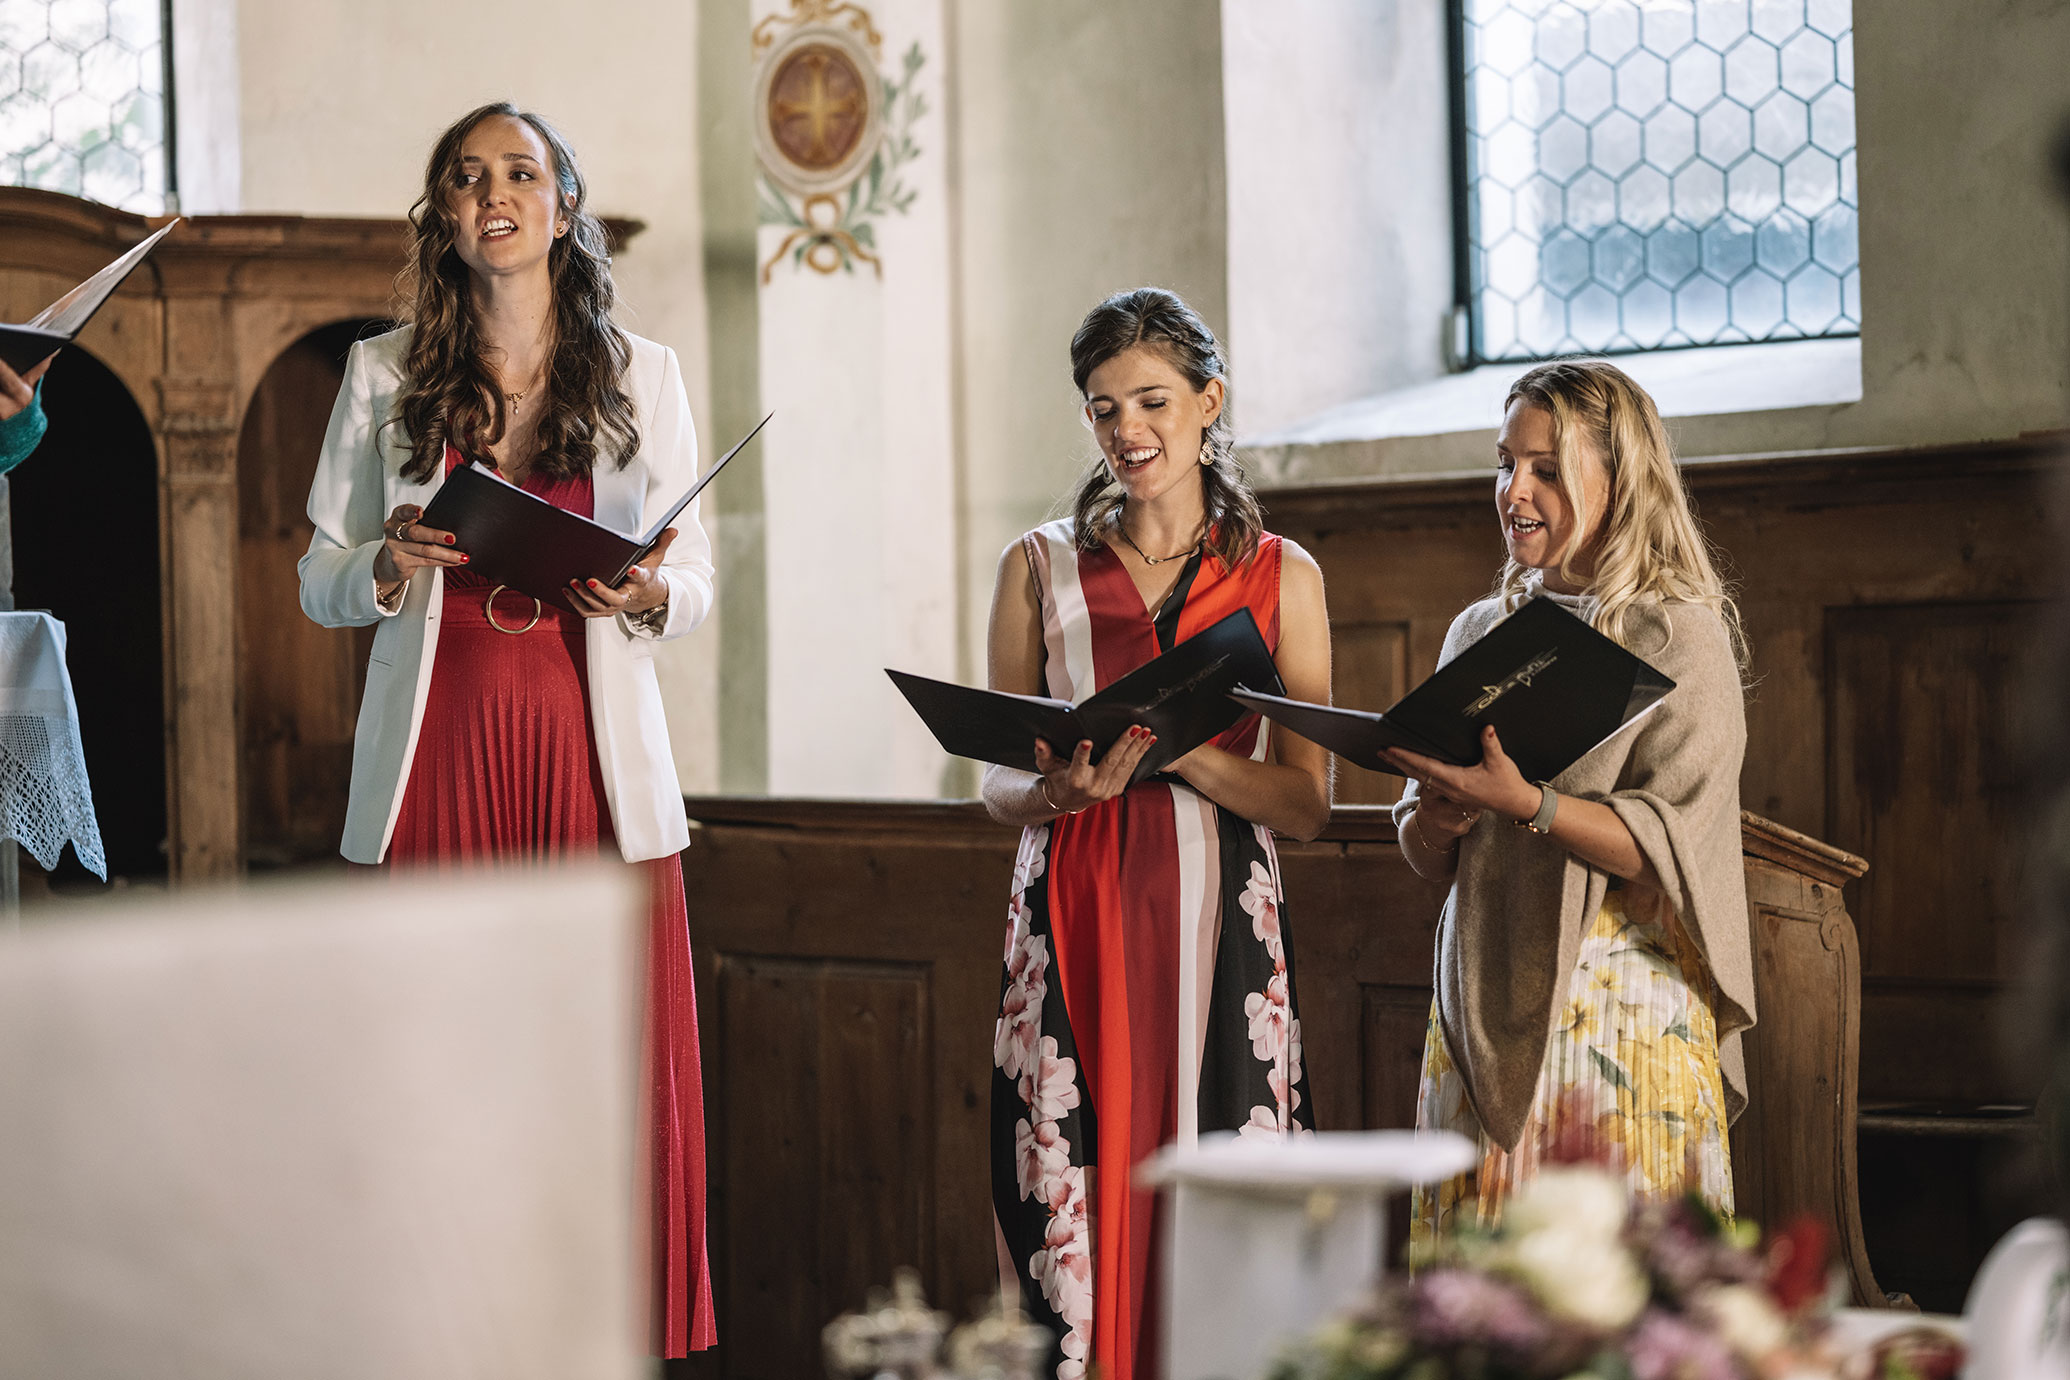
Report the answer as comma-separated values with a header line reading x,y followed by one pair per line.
x,y
495,726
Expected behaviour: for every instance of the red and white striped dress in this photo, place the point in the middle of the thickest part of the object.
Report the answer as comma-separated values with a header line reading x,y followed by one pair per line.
x,y
1149,993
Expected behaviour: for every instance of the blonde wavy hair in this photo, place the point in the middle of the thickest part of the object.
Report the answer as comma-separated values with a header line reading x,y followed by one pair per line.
x,y
1649,545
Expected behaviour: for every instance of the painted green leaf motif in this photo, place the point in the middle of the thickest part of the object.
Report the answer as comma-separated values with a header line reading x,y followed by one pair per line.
x,y
1611,1071
1674,1119
1680,1030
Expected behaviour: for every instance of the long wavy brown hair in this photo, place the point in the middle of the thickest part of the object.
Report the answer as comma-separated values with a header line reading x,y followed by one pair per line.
x,y
1162,320
451,394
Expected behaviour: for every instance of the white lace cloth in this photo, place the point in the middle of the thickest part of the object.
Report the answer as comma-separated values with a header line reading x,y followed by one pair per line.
x,y
45,800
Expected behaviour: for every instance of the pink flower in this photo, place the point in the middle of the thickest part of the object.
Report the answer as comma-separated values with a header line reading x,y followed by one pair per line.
x,y
1261,902
1029,864
1263,1125
1269,1016
1040,1154
1666,1347
1460,1307
1063,1268
1020,1023
1284,1093
1050,1086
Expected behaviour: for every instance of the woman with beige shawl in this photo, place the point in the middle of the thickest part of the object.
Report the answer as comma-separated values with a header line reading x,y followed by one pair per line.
x,y
1593,969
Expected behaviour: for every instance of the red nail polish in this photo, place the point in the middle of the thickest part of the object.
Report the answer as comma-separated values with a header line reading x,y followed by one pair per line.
x,y
450,539
594,585
463,560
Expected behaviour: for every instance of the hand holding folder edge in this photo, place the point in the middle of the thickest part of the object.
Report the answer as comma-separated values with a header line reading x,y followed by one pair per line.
x,y
57,325
1553,687
1181,696
521,540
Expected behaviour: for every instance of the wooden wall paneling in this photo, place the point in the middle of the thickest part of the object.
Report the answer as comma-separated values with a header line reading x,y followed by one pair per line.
x,y
829,1112
1923,777
879,929
1374,657
299,684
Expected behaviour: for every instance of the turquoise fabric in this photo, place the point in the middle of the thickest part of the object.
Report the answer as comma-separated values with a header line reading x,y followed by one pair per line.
x,y
20,433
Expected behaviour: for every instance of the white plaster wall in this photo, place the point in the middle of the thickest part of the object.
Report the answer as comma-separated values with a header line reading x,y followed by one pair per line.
x,y
859,501
1965,248
1337,124
338,106
206,86
1090,161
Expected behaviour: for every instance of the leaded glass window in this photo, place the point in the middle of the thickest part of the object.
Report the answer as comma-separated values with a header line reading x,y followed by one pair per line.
x,y
1644,174
82,99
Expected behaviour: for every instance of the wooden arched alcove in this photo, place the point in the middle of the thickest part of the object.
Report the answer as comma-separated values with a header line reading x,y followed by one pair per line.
x,y
190,337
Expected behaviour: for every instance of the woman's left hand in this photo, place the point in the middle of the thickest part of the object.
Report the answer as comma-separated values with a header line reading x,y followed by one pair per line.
x,y
1494,784
17,391
640,590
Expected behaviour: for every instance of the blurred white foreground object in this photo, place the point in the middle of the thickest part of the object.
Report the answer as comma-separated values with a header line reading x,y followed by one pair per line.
x,y
1265,1239
380,1128
2018,1309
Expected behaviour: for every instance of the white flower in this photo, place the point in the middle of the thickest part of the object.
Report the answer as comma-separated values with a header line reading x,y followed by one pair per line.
x,y
1268,1015
1574,1200
1049,1086
1745,1319
1577,1276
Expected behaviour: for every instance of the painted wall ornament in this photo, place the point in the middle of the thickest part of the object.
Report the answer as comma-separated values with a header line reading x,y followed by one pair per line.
x,y
831,133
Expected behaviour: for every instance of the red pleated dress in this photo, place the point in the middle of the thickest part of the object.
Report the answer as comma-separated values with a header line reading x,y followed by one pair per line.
x,y
506,768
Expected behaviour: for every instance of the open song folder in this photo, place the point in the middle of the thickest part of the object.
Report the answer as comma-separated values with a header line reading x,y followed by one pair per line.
x,y
1553,687
1182,696
521,540
53,328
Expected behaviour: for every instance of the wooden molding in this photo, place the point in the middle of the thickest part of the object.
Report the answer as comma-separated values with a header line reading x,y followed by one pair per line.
x,y
1850,476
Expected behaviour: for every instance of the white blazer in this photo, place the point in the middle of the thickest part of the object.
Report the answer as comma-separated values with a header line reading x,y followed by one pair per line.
x,y
359,483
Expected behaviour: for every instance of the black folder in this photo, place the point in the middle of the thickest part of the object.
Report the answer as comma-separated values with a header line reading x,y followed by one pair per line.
x,y
53,328
1181,696
521,540
1552,685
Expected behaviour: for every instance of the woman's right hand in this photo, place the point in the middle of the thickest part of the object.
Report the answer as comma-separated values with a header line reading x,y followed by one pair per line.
x,y
1072,783
408,547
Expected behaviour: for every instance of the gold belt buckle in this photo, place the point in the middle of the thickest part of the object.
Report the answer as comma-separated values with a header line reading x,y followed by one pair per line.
x,y
489,609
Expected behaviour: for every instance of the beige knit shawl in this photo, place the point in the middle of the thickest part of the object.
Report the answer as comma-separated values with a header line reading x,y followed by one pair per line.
x,y
1512,926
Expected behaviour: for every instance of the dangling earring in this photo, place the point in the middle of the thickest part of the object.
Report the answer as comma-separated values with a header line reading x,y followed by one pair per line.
x,y
1207,451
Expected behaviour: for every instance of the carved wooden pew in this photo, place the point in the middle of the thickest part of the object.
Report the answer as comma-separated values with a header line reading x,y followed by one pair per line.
x,y
848,961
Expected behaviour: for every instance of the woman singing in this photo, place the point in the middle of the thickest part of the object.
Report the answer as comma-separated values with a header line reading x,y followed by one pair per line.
x,y
1594,970
495,726
1149,978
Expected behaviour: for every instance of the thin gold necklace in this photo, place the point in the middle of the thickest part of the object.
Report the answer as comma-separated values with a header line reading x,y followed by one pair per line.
x,y
1122,527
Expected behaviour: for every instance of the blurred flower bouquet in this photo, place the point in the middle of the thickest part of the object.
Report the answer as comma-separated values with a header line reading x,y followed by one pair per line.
x,y
1580,1281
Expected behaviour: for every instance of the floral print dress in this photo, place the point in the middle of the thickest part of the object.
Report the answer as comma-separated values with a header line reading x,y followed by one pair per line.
x,y
1631,1078
1148,994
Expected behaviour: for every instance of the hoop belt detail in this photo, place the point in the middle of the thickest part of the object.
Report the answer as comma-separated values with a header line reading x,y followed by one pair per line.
x,y
489,611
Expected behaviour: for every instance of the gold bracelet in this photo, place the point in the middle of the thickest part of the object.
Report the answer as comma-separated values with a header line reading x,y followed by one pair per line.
x,y
1416,818
1043,781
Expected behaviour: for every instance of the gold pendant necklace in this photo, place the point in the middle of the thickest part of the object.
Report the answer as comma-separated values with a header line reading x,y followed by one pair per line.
x,y
1122,528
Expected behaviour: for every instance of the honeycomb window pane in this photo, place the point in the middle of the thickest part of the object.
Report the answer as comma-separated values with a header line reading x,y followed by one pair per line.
x,y
1655,173
82,99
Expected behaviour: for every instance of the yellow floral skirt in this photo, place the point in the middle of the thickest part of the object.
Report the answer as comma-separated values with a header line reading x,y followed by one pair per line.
x,y
1631,1078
